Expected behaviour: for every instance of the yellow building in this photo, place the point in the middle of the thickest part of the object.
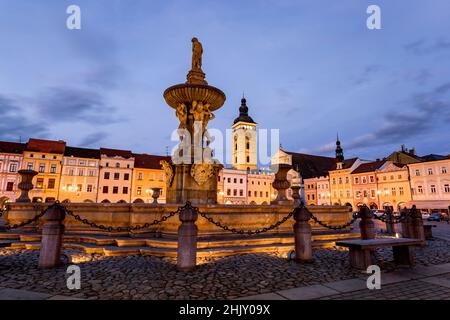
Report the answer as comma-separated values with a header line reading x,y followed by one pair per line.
x,y
45,157
148,174
79,177
365,185
244,140
393,186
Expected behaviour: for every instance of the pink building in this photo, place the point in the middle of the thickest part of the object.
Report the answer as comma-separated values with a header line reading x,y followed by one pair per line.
x,y
11,156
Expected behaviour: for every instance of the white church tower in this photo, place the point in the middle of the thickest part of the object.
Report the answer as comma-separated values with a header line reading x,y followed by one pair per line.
x,y
244,140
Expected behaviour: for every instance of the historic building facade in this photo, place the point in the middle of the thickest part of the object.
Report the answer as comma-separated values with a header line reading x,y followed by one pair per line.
x,y
11,155
80,175
45,157
393,186
116,170
148,175
364,184
430,184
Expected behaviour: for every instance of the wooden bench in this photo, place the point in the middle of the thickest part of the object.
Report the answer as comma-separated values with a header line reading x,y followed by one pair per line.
x,y
427,231
361,250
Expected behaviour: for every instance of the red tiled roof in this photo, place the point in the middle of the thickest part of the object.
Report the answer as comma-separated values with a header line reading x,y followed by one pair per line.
x,y
116,152
12,147
147,161
311,166
369,166
46,146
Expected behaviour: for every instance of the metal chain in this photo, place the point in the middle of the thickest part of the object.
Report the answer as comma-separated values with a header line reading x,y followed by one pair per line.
x,y
336,227
120,229
384,218
247,232
26,222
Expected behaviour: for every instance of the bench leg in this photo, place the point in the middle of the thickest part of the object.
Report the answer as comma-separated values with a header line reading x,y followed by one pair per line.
x,y
360,259
403,255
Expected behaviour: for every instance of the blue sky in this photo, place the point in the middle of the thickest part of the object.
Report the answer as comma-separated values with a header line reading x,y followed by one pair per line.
x,y
309,68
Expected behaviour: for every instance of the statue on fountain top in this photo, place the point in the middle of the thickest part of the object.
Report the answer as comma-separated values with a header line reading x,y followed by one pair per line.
x,y
197,51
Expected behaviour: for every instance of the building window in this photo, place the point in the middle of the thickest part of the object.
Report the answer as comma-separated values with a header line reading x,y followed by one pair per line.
x,y
267,194
116,176
255,193
229,180
106,176
348,194
228,192
399,177
340,180
394,191
91,173
82,162
125,190
249,193
235,180
443,170
401,191
105,189
433,188
53,168
107,164
13,167
79,187
139,191
126,176
70,172
115,190
446,188
363,180
248,145
372,193
334,180
81,172
10,186
241,193
347,180
117,165
218,178
89,188
51,184
417,172
371,179
356,180
430,171
39,183
419,189
140,176
241,181
234,192
41,167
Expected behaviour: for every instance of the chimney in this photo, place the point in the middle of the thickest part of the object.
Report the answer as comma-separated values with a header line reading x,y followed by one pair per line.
x,y
412,152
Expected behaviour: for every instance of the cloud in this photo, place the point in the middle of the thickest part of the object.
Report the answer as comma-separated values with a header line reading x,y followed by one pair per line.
x,y
423,47
93,139
420,114
71,104
15,125
367,73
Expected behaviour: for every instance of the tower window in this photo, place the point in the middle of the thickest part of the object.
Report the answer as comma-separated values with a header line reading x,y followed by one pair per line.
x,y
248,158
248,145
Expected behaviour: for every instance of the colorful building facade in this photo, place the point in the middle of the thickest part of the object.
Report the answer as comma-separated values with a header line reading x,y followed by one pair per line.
x,y
11,156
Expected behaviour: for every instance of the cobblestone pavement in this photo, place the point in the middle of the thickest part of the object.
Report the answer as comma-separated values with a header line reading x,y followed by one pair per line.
x,y
409,290
145,277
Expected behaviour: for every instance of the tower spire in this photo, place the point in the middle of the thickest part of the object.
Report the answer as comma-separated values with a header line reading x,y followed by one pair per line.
x,y
339,151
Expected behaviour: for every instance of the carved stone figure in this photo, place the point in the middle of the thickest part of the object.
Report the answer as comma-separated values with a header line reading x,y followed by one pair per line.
x,y
168,171
207,116
197,51
181,114
202,172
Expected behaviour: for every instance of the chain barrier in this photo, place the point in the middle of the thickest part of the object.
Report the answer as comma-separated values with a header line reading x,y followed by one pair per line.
x,y
121,229
247,232
355,217
392,219
24,223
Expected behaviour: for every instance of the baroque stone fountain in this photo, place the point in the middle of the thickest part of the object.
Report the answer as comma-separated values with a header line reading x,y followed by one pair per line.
x,y
192,175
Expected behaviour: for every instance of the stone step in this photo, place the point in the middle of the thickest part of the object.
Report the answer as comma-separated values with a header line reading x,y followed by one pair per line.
x,y
4,244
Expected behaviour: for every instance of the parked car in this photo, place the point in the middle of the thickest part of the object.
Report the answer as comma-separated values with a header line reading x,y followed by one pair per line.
x,y
425,216
378,213
435,216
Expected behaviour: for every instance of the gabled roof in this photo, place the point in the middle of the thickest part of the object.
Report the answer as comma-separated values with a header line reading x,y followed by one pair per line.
x,y
46,146
311,166
369,166
116,153
82,153
12,147
147,161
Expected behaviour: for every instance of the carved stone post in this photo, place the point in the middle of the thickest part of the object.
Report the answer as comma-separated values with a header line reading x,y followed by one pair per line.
x,y
155,195
25,185
406,224
296,195
366,224
187,239
52,237
390,227
416,225
281,184
302,234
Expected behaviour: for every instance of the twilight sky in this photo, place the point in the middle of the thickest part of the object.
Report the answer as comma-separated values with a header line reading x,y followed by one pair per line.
x,y
309,68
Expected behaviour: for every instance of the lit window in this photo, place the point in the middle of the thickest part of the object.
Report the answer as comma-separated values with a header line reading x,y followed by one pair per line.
x,y
430,171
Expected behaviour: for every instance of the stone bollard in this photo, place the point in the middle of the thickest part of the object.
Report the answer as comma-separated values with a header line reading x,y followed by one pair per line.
x,y
52,237
155,195
406,224
302,234
390,226
416,225
366,224
187,239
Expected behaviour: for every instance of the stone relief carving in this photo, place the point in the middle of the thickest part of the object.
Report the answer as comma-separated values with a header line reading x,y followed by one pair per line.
x,y
202,172
181,114
168,171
